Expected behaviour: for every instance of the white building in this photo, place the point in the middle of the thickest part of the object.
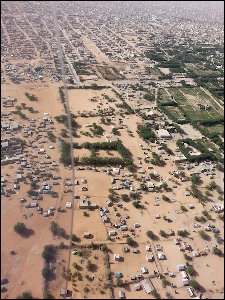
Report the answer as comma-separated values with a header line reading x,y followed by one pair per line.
x,y
163,134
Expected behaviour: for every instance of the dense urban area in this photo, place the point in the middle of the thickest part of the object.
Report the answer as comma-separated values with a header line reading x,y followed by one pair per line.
x,y
141,214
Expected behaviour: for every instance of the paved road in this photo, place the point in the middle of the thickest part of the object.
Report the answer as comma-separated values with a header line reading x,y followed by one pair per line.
x,y
72,70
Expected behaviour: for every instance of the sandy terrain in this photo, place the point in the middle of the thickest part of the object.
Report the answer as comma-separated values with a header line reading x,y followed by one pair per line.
x,y
24,270
165,70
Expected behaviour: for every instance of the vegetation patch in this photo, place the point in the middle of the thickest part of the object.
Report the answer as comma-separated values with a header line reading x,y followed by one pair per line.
x,y
205,153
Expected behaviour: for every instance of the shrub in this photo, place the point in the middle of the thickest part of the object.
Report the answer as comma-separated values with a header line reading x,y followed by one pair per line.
x,y
47,295
134,195
149,97
169,296
25,295
221,217
86,289
207,214
165,198
31,97
164,282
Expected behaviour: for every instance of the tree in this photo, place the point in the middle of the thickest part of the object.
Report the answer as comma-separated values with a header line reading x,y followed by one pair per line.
x,y
130,241
137,205
54,227
46,273
187,257
49,253
115,131
169,296
63,133
203,235
165,198
33,185
194,284
74,238
162,233
20,228
104,248
212,185
183,233
89,265
150,234
125,197
195,178
190,270
183,208
217,251
119,282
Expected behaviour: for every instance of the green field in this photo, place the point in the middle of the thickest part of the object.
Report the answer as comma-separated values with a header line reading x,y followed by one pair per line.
x,y
178,96
192,112
152,71
163,96
196,91
175,112
201,72
216,129
187,109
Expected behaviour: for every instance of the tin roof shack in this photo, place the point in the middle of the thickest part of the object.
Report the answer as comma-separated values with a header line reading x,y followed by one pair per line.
x,y
121,294
63,292
112,232
181,267
87,204
149,257
147,286
87,234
